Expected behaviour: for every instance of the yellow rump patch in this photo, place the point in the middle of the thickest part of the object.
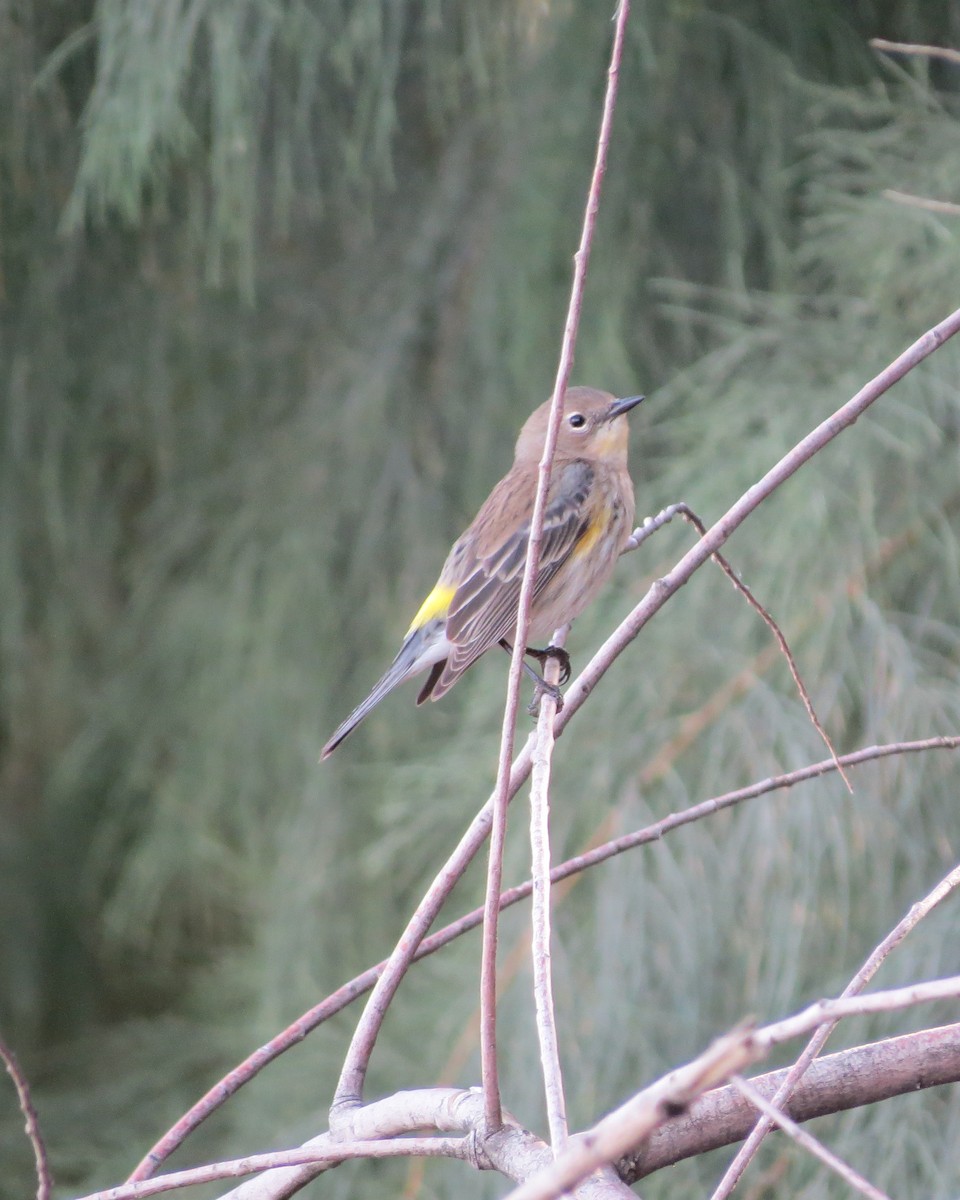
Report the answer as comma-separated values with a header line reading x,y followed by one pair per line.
x,y
435,605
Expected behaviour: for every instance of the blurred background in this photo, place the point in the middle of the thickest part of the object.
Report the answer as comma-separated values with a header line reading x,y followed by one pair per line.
x,y
279,282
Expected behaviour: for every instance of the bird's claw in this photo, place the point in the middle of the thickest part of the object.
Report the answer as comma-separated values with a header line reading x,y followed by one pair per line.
x,y
540,689
557,652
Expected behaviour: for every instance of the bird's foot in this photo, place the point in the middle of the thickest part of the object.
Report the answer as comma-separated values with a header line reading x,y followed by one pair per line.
x,y
540,689
540,685
557,652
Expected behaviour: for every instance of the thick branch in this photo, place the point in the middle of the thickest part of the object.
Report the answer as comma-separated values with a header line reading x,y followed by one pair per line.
x,y
634,1121
837,1082
807,1142
874,961
639,1116
514,1152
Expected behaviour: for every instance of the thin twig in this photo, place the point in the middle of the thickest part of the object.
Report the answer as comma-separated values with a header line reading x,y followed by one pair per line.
x,y
31,1121
945,207
540,907
324,1156
912,48
689,515
649,527
488,965
696,812
824,1011
808,1141
918,911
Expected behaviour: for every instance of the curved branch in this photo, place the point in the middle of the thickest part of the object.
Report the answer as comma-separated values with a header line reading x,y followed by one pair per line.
x,y
850,1079
31,1121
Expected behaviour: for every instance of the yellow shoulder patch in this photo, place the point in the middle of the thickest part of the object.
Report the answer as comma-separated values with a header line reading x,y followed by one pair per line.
x,y
435,605
591,535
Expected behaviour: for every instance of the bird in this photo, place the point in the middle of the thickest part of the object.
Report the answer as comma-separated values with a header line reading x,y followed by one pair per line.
x,y
588,517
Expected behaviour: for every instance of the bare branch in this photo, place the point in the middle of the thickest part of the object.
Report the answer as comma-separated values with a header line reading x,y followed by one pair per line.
x,y
635,1120
629,1125
919,51
330,1154
540,907
853,1078
444,1110
809,1142
813,443
512,1150
502,794
946,207
856,985
657,830
31,1121
579,690
689,515
857,1006
356,987
350,1086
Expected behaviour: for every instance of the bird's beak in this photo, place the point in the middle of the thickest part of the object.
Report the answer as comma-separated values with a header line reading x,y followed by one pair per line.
x,y
619,407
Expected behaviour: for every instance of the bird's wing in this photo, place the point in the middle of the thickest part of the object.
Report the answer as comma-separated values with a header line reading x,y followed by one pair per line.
x,y
484,607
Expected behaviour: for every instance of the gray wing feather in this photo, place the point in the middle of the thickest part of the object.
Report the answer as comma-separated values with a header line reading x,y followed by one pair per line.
x,y
484,608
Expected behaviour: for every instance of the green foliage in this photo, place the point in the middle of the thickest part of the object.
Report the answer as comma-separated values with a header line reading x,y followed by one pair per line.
x,y
225,118
317,262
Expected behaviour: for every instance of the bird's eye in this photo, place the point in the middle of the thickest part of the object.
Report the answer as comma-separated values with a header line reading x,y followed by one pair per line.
x,y
577,420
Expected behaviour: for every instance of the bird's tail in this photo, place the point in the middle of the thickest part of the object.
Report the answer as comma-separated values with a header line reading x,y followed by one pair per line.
x,y
393,677
419,650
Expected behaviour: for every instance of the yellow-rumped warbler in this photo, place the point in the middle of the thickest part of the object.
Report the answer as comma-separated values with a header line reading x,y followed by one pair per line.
x,y
588,517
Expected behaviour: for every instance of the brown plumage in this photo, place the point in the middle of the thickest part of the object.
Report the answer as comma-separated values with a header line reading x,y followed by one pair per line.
x,y
588,517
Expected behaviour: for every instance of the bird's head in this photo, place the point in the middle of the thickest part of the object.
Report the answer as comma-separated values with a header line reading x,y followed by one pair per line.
x,y
594,425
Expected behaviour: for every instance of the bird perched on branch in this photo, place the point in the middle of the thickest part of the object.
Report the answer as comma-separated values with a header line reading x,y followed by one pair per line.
x,y
587,519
